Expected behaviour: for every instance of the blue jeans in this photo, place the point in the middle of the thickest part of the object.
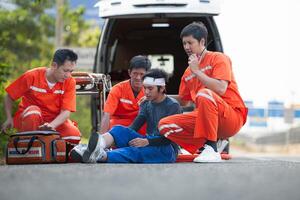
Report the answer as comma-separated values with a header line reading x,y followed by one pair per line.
x,y
148,154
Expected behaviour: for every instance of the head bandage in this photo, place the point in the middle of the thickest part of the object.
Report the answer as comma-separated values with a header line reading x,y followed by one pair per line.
x,y
154,81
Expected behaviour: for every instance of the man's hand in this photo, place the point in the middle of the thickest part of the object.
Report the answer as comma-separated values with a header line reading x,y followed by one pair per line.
x,y
9,123
194,63
46,127
138,142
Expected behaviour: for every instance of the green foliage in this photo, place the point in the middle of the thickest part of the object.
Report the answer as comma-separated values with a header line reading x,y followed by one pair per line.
x,y
89,37
83,115
74,25
25,33
5,71
27,41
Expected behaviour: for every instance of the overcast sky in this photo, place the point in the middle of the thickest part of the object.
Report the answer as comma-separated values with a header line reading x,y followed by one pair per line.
x,y
262,39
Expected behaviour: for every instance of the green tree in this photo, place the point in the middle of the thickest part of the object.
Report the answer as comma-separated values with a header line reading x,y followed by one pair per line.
x,y
5,71
27,41
26,34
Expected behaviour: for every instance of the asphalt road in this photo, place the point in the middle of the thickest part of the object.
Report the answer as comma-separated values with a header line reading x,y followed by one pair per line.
x,y
252,178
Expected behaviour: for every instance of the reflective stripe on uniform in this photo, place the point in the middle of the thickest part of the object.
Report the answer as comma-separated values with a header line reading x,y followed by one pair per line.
x,y
126,101
170,126
71,138
208,96
38,89
31,112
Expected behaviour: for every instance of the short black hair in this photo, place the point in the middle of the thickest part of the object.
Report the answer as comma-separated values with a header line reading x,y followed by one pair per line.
x,y
196,29
138,62
157,73
62,55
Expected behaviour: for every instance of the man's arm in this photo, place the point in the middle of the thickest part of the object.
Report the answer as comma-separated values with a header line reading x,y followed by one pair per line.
x,y
105,122
138,122
159,141
218,86
8,102
61,118
154,141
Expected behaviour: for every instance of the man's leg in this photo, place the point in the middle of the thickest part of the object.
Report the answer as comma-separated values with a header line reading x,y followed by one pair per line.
x,y
215,119
123,155
148,154
29,120
122,135
69,132
119,135
126,123
180,129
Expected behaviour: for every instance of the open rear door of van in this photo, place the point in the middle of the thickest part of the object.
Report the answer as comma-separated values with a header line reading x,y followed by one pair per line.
x,y
150,8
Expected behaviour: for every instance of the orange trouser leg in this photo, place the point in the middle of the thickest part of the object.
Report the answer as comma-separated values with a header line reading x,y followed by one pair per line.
x,y
180,129
69,132
127,122
29,120
215,119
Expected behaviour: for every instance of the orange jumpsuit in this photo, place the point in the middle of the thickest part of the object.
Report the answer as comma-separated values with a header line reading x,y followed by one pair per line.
x,y
215,116
41,104
122,105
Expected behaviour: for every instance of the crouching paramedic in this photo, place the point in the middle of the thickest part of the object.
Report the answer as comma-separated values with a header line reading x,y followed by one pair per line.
x,y
209,83
47,98
131,146
122,104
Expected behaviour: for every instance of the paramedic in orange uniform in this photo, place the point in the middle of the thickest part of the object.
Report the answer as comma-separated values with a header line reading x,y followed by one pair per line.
x,y
47,98
209,83
121,106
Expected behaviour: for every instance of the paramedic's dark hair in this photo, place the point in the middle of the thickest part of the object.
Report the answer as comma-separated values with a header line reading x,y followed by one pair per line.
x,y
157,73
62,55
139,62
196,29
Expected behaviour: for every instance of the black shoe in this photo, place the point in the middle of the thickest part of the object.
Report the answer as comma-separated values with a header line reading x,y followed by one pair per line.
x,y
75,156
93,141
77,152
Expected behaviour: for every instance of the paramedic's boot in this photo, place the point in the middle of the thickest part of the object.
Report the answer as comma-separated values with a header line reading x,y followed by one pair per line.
x,y
208,155
77,152
95,150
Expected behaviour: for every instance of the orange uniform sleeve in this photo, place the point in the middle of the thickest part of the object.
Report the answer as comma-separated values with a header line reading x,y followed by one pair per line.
x,y
112,100
184,91
20,86
69,96
222,68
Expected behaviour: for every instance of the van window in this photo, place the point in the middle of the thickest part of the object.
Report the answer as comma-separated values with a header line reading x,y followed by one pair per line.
x,y
162,61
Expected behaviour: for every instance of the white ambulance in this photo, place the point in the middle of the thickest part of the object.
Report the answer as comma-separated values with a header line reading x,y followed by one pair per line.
x,y
152,28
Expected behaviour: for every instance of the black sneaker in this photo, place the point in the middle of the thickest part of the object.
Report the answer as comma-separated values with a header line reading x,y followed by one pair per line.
x,y
94,149
77,152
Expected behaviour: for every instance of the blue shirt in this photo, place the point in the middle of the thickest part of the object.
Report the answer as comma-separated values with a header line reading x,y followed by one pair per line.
x,y
152,113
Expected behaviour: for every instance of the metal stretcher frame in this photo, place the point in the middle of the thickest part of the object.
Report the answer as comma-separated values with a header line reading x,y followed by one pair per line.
x,y
97,86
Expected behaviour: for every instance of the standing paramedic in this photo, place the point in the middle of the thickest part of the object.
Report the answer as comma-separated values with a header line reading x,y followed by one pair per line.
x,y
209,83
122,104
131,146
47,98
